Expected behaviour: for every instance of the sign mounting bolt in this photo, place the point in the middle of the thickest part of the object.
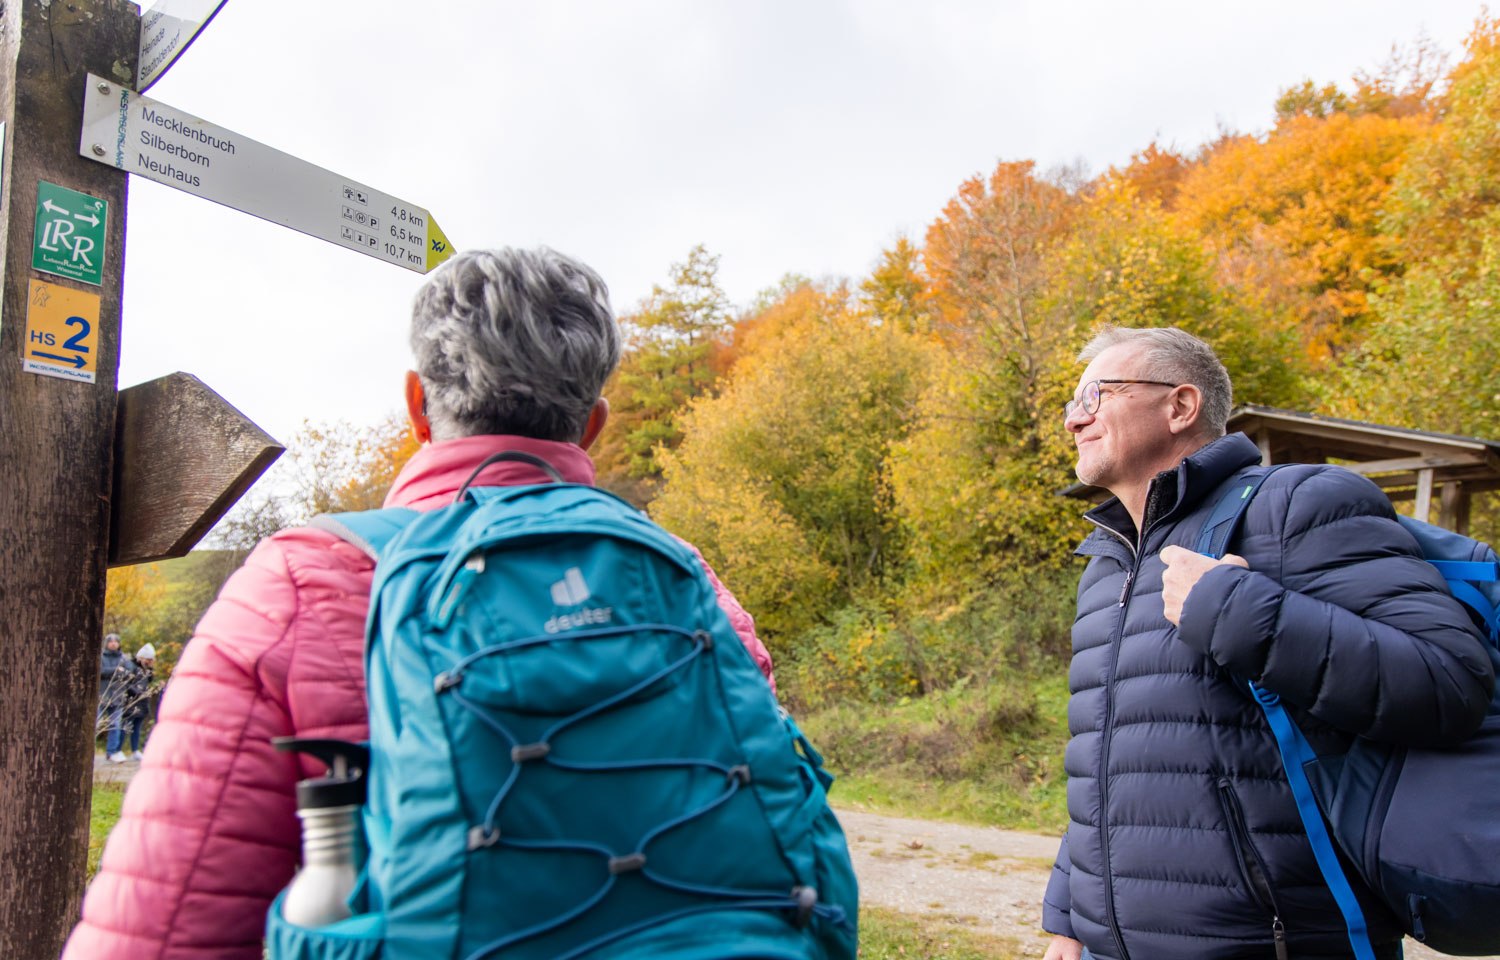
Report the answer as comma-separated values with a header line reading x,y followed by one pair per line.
x,y
103,88
98,150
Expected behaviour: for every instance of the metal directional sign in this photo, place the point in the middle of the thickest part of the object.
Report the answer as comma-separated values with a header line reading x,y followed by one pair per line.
x,y
69,236
152,140
62,332
168,27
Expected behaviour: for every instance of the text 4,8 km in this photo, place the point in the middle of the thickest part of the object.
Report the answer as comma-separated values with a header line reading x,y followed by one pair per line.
x,y
403,215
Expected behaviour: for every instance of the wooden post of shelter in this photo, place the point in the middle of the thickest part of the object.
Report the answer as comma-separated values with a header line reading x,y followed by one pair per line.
x,y
56,437
1453,508
1422,508
1263,441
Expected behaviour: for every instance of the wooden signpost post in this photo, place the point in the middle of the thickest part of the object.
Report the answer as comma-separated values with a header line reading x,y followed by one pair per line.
x,y
90,476
57,425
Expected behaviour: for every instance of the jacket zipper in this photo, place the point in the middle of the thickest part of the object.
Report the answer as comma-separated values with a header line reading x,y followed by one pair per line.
x,y
1116,636
1251,866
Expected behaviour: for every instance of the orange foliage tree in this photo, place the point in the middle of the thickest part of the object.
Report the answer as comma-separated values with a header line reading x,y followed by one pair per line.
x,y
1293,221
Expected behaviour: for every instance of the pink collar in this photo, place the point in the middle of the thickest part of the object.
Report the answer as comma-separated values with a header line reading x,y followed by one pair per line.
x,y
432,477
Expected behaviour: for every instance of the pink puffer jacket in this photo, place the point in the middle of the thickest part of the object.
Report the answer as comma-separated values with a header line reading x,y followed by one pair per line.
x,y
208,834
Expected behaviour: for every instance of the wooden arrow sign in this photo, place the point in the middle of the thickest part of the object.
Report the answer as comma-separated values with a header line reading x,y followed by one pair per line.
x,y
183,456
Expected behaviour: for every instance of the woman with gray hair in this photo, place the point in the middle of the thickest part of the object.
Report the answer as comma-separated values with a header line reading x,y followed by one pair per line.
x,y
512,350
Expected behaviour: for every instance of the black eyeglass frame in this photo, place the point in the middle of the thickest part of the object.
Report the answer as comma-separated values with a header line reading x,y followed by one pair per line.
x,y
1092,392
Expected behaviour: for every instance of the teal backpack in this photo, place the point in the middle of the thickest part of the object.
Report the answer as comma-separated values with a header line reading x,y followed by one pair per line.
x,y
573,756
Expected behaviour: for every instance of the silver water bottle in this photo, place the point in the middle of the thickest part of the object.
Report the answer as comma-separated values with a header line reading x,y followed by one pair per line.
x,y
329,809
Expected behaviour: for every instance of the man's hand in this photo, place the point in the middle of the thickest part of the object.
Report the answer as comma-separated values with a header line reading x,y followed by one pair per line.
x,y
1184,569
1063,948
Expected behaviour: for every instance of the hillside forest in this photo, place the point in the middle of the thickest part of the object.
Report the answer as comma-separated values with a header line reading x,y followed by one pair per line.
x,y
873,464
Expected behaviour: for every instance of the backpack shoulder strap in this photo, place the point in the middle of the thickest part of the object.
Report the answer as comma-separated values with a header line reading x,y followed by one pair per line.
x,y
1224,522
1213,541
1468,565
370,530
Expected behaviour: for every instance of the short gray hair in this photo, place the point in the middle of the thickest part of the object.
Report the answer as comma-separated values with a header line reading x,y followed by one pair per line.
x,y
1174,356
513,341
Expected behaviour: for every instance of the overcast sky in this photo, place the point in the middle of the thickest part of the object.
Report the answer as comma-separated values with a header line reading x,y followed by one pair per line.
x,y
786,136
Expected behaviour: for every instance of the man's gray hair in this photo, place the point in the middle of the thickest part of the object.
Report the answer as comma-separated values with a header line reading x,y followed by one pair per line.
x,y
1174,356
513,341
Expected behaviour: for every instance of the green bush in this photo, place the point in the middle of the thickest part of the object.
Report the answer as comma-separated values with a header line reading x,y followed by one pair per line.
x,y
987,753
869,653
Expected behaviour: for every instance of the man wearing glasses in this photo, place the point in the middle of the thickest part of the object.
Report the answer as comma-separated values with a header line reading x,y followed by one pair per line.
x,y
1184,841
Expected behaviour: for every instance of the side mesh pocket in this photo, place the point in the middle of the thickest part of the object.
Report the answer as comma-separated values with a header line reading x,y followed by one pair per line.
x,y
360,937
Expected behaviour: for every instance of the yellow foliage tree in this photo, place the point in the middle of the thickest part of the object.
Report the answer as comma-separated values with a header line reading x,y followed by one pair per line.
x,y
1129,263
897,291
1432,363
780,478
131,594
975,481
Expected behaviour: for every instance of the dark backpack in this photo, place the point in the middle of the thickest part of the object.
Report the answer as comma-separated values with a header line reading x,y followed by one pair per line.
x,y
1420,825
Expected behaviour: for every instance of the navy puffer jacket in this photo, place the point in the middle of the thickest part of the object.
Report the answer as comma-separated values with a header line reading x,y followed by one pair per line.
x,y
1185,842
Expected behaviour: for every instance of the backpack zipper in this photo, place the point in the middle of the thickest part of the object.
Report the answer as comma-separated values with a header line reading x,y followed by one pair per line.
x,y
1385,788
472,568
1252,868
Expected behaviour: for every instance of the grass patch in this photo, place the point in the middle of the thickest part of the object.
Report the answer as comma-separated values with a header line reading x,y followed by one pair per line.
x,y
891,935
103,813
990,756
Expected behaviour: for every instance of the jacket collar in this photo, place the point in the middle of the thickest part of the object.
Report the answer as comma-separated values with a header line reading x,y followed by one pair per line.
x,y
433,475
1174,491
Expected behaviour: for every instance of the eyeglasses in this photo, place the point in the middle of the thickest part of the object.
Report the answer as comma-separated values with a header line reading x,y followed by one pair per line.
x,y
1093,396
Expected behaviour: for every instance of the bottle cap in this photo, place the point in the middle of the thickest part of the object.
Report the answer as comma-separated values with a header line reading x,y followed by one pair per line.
x,y
344,784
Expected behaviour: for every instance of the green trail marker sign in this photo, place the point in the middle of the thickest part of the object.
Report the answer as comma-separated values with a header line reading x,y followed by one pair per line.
x,y
69,236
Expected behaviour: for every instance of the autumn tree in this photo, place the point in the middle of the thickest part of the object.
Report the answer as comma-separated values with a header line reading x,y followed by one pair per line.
x,y
334,467
670,358
1293,220
1431,364
1308,99
144,604
1441,210
897,292
773,317
1129,263
975,474
780,477
1156,175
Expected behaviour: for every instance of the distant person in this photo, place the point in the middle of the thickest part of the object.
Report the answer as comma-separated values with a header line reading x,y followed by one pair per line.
x,y
513,348
1185,842
115,670
138,698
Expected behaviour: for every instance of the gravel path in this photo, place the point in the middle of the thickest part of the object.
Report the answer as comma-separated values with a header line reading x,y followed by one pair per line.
x,y
981,877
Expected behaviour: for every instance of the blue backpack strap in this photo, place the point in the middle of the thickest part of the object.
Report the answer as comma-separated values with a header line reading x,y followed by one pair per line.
x,y
1462,575
370,530
1468,565
1295,753
1464,591
1213,541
